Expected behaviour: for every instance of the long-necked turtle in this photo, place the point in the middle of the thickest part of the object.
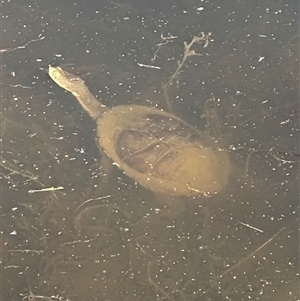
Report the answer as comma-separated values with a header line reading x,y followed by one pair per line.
x,y
157,149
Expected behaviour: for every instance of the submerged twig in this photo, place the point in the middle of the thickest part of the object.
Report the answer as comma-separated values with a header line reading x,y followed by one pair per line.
x,y
254,252
188,52
155,285
46,189
32,297
89,204
14,170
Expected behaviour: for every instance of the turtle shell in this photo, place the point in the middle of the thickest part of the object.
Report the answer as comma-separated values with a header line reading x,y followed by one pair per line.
x,y
162,152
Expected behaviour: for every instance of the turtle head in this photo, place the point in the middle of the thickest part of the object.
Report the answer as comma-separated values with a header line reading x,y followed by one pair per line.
x,y
66,80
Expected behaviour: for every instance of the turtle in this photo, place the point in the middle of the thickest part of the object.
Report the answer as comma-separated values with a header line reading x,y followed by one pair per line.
x,y
157,149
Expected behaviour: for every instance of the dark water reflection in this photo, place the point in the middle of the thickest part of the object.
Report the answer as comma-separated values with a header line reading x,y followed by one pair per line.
x,y
241,244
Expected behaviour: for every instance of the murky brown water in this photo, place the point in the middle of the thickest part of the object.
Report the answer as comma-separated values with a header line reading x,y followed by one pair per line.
x,y
125,243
